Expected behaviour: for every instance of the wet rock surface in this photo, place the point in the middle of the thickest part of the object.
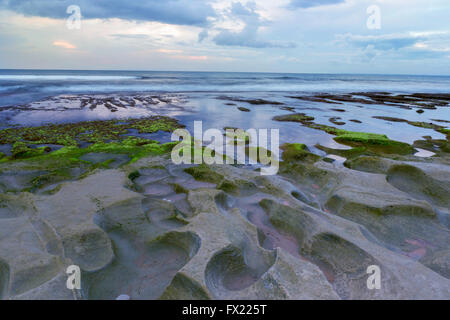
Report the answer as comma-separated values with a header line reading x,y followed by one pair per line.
x,y
170,233
148,229
92,107
408,101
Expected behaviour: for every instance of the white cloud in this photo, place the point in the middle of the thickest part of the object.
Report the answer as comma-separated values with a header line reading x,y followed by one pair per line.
x,y
256,35
247,34
64,44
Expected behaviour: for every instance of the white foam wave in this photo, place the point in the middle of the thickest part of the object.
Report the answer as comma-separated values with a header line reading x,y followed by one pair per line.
x,y
63,77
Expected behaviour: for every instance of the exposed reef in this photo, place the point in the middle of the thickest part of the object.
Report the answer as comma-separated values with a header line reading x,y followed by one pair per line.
x,y
76,150
250,101
154,230
243,109
105,196
419,101
73,134
377,143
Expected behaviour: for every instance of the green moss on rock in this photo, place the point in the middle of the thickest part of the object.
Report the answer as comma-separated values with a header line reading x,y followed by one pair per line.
x,y
71,156
105,136
70,134
229,187
20,150
348,154
293,152
297,117
369,164
377,143
426,125
179,189
243,109
445,131
204,173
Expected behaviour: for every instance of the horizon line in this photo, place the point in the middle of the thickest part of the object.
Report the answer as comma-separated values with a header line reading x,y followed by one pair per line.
x,y
260,72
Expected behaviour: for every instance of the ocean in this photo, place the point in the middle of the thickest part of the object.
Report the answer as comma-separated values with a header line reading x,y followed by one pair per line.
x,y
24,86
36,97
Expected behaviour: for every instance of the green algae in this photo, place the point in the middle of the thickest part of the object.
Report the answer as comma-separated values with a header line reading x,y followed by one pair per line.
x,y
51,178
251,101
105,136
71,156
71,134
425,125
243,109
293,152
420,124
20,150
348,154
372,164
306,121
204,173
229,187
437,146
69,163
378,143
179,189
131,146
445,131
297,117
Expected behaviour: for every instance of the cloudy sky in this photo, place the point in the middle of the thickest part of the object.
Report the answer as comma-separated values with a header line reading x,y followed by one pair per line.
x,y
304,36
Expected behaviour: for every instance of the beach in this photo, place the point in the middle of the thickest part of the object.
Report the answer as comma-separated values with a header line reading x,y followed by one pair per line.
x,y
87,178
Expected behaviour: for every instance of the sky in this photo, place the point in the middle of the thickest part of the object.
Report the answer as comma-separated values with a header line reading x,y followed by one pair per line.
x,y
300,36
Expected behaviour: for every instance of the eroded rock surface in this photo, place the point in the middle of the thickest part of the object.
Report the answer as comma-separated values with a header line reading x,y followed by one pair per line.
x,y
150,230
